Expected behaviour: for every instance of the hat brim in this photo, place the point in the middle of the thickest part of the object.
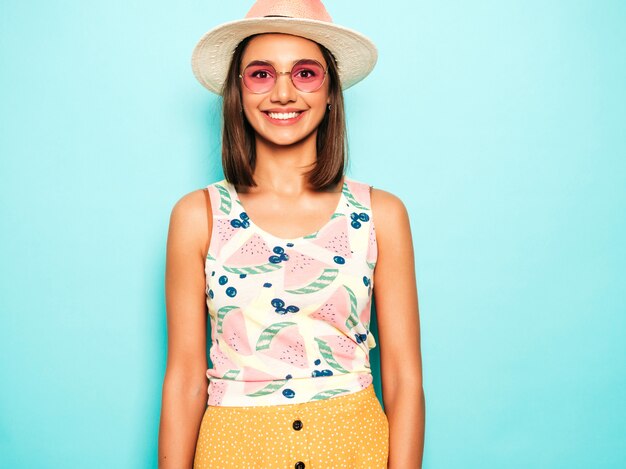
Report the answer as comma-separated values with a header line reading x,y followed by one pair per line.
x,y
356,54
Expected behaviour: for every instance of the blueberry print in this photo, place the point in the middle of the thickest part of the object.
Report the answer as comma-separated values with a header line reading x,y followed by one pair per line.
x,y
243,222
281,255
264,285
360,338
278,303
357,218
279,306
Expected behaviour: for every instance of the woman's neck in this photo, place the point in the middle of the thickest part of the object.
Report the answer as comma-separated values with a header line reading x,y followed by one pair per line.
x,y
282,168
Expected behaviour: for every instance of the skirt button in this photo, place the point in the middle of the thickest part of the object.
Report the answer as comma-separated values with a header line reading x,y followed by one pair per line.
x,y
299,465
297,425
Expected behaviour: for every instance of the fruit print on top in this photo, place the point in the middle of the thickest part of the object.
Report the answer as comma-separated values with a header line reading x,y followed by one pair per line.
x,y
289,317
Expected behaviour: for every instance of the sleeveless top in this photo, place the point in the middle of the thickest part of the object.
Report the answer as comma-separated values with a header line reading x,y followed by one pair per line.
x,y
289,317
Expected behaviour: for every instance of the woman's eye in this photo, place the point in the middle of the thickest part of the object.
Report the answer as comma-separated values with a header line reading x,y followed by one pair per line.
x,y
306,73
260,74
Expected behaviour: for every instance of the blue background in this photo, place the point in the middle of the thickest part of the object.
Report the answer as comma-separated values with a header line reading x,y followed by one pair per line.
x,y
501,125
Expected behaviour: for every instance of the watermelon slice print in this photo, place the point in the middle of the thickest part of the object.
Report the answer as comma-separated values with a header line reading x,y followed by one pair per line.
x,y
327,352
223,234
251,258
283,341
343,349
304,274
365,379
258,383
301,269
221,363
232,327
339,309
217,389
334,238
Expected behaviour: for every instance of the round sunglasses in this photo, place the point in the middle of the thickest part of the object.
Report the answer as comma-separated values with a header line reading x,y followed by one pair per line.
x,y
307,75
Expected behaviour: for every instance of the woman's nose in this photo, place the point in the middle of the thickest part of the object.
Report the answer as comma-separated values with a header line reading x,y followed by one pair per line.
x,y
284,91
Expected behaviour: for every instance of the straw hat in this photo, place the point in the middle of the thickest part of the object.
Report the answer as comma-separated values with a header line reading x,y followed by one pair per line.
x,y
355,54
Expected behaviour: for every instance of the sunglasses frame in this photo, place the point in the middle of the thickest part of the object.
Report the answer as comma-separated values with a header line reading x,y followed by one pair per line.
x,y
290,73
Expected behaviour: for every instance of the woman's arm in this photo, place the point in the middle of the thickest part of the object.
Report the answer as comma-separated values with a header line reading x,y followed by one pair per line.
x,y
185,384
397,314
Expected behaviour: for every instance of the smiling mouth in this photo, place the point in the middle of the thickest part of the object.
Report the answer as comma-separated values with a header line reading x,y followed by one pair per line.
x,y
283,115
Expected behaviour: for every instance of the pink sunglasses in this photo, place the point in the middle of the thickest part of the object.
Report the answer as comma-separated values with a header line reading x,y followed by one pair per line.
x,y
307,75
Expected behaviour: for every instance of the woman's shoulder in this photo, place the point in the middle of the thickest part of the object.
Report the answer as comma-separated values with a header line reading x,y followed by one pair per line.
x,y
389,212
192,208
191,219
380,200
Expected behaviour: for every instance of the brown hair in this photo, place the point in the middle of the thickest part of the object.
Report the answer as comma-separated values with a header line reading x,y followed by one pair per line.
x,y
238,137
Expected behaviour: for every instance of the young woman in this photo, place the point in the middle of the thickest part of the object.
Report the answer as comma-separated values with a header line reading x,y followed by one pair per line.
x,y
286,253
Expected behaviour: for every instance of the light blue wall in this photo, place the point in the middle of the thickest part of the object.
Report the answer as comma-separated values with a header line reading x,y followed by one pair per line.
x,y
501,124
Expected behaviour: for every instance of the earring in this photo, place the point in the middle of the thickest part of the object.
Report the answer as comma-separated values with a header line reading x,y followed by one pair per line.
x,y
329,106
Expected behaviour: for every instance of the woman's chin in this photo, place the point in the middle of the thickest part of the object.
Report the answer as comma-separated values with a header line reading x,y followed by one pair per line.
x,y
286,138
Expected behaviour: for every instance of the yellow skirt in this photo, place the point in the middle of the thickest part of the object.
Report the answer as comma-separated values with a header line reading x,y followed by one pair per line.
x,y
347,431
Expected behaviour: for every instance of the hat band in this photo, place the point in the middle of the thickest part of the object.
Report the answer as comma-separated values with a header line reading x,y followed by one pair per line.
x,y
279,16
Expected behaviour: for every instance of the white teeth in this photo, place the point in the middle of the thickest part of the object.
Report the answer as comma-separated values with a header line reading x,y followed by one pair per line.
x,y
283,116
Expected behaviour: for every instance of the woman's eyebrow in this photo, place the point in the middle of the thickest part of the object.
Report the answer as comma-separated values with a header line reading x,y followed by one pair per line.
x,y
261,62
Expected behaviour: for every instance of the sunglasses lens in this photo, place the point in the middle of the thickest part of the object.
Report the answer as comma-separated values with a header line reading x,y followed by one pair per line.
x,y
307,75
259,78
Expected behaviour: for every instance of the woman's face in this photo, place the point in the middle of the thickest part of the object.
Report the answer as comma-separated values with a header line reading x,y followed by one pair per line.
x,y
283,50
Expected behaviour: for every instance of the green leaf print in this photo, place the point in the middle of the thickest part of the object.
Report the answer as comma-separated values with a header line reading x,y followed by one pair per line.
x,y
225,201
253,269
265,339
327,353
326,278
351,198
330,393
221,313
269,389
353,319
231,374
